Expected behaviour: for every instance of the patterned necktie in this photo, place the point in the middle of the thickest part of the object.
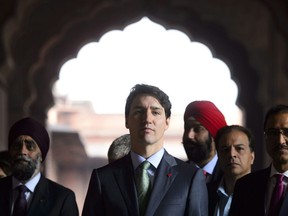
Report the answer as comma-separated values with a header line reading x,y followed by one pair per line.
x,y
277,196
20,204
143,186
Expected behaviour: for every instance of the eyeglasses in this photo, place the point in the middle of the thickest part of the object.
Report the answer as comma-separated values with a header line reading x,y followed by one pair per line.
x,y
275,132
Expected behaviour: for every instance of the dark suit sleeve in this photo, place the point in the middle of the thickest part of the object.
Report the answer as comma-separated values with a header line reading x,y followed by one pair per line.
x,y
249,194
69,205
93,204
198,197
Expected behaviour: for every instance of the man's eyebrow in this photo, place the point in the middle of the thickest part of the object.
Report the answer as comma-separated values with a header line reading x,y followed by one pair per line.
x,y
156,107
143,107
24,140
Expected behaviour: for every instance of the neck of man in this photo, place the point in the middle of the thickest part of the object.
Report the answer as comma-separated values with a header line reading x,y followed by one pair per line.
x,y
147,150
205,161
280,167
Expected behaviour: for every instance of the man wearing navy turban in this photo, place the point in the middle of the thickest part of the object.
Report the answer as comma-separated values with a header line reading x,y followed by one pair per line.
x,y
27,191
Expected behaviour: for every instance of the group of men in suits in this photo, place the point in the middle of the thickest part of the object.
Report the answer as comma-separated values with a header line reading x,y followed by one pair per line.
x,y
235,190
219,156
225,153
238,191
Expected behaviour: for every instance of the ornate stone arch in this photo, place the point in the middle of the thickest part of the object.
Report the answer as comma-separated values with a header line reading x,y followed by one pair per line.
x,y
42,36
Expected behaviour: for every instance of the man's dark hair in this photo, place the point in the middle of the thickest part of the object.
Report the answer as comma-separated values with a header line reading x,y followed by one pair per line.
x,y
149,90
227,129
280,108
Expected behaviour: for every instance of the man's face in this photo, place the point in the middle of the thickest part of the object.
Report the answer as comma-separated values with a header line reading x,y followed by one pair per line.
x,y
276,140
147,122
26,157
234,154
197,141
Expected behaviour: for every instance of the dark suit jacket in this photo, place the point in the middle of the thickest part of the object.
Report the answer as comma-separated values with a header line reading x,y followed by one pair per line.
x,y
250,193
179,189
213,196
49,199
217,173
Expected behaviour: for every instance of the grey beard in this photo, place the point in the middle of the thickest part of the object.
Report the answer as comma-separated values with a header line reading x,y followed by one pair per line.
x,y
23,172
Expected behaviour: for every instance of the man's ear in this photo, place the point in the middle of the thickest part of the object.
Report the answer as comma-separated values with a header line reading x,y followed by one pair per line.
x,y
253,158
167,123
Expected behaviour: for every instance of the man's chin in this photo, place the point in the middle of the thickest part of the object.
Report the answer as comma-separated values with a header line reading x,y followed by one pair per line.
x,y
23,171
22,176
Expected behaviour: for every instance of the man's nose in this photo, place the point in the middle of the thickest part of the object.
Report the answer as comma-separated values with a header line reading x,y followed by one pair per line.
x,y
22,149
191,134
233,152
283,139
148,116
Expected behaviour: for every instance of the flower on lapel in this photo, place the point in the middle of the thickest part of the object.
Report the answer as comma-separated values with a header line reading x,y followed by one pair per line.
x,y
169,174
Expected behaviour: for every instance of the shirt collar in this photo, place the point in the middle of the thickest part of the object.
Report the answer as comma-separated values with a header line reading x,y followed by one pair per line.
x,y
209,167
221,189
153,159
31,184
274,171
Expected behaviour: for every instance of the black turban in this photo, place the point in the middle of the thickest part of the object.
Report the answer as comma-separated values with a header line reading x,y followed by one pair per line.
x,y
30,127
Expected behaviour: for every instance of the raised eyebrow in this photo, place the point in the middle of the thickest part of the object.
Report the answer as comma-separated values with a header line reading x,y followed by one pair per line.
x,y
239,145
235,145
193,124
154,108
157,108
30,141
137,108
18,142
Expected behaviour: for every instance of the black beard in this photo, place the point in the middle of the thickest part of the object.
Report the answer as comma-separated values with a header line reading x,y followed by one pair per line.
x,y
198,151
24,171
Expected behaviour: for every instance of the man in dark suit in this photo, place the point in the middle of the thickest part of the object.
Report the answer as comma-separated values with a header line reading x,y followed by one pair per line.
x,y
235,148
176,187
202,120
253,193
28,144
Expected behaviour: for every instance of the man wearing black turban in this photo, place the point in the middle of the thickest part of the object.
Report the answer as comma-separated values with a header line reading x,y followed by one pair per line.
x,y
28,144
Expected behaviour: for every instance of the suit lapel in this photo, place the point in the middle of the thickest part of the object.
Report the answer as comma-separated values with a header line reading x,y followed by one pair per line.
x,y
164,177
40,198
124,176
